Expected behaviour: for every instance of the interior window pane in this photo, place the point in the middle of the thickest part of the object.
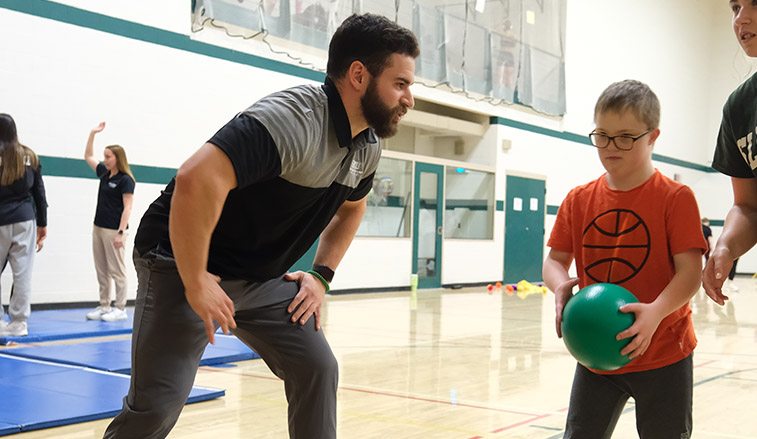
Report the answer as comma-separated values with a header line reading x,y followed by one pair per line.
x,y
388,212
469,206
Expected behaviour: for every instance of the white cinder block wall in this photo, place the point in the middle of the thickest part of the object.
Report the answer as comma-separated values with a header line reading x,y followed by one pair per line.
x,y
58,80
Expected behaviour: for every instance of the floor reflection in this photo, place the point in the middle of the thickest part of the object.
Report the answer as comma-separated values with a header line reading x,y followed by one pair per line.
x,y
469,364
466,364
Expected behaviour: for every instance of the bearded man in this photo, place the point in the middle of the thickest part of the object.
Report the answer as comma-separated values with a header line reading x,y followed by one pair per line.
x,y
214,248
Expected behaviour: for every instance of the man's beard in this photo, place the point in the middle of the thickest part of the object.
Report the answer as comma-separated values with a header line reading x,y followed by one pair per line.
x,y
378,115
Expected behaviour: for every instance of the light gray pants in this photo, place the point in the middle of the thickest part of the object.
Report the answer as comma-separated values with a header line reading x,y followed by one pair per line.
x,y
110,266
169,340
17,247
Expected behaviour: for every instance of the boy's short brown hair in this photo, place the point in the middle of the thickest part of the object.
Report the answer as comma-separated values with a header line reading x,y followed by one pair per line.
x,y
630,95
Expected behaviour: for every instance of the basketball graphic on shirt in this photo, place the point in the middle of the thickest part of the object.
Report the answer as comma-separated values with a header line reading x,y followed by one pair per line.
x,y
615,246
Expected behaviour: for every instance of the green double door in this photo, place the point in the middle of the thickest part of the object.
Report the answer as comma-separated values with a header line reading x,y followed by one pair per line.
x,y
524,229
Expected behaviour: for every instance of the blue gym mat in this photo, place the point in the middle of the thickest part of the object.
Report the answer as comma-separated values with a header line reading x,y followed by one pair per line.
x,y
115,355
38,395
69,323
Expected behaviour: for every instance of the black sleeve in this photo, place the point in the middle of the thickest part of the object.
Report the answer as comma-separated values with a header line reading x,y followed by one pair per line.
x,y
40,200
128,186
728,157
251,149
362,189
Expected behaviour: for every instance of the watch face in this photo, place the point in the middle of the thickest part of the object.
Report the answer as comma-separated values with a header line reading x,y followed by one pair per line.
x,y
324,271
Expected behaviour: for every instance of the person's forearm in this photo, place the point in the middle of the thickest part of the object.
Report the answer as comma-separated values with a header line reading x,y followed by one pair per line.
x,y
337,236
190,227
679,291
89,150
124,218
128,202
202,184
40,200
684,285
554,274
739,232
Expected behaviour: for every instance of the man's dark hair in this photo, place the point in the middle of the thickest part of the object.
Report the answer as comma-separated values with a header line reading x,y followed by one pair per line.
x,y
370,39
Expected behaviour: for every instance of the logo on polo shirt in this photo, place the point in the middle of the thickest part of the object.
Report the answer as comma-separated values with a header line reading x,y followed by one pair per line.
x,y
112,184
356,168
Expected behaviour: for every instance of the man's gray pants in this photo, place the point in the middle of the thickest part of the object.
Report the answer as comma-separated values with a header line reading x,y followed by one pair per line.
x,y
169,339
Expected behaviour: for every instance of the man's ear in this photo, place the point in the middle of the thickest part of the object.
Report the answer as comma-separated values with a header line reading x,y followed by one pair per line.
x,y
357,76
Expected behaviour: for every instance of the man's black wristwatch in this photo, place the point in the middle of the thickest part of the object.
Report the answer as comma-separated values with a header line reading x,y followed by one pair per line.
x,y
325,272
120,232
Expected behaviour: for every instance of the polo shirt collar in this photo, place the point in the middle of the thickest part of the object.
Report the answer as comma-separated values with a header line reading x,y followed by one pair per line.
x,y
338,115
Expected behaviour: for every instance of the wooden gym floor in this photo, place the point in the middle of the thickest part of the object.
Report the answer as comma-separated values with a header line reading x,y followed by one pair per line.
x,y
464,364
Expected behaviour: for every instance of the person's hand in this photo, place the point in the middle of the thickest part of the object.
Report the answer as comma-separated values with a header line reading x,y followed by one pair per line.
x,y
563,294
715,272
99,127
308,300
211,303
119,240
41,235
648,318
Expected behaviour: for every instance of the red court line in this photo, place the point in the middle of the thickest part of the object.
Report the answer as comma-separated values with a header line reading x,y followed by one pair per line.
x,y
436,401
518,424
374,392
705,363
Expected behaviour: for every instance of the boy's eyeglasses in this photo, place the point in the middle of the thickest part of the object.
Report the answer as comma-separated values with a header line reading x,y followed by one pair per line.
x,y
624,142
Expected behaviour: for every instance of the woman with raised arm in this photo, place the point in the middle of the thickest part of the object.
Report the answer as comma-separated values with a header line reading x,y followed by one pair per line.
x,y
114,202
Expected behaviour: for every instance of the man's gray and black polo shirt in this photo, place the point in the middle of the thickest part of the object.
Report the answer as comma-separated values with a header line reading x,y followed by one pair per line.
x,y
295,163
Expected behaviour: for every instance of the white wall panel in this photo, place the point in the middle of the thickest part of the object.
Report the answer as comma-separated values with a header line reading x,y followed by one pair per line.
x,y
58,80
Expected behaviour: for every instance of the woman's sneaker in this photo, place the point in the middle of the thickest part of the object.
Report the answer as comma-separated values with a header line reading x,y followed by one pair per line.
x,y
15,329
114,315
98,313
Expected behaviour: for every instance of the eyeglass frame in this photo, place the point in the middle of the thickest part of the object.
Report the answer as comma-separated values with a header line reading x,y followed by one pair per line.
x,y
612,139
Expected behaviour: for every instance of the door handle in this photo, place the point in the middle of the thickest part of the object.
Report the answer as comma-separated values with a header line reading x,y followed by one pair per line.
x,y
439,230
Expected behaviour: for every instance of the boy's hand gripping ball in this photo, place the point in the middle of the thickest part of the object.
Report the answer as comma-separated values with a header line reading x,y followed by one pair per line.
x,y
590,322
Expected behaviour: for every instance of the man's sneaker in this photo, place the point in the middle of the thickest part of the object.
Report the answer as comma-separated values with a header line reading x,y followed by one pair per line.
x,y
98,312
114,315
15,329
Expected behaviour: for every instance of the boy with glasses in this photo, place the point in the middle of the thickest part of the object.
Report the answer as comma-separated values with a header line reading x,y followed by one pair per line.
x,y
736,157
639,229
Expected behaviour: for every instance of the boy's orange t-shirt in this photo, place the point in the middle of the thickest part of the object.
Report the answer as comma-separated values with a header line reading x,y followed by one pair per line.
x,y
629,238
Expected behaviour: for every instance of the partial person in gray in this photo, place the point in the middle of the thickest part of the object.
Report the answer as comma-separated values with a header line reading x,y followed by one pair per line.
x,y
23,222
214,249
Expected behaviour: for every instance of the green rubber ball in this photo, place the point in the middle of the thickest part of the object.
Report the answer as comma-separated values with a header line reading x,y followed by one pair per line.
x,y
590,322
